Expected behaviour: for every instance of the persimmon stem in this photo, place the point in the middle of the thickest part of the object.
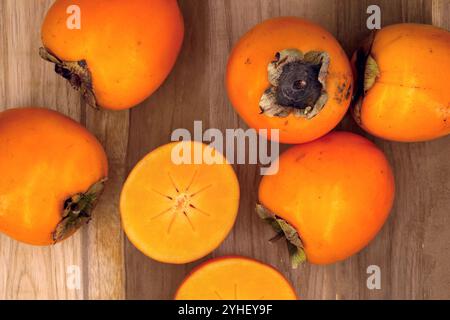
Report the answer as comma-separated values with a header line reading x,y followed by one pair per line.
x,y
284,230
78,211
277,237
76,72
298,84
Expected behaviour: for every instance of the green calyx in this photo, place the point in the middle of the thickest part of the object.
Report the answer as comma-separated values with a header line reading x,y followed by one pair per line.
x,y
76,72
367,73
369,76
284,230
77,211
371,73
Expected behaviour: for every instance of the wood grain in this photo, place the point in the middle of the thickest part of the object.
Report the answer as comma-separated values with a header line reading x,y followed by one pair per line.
x,y
412,250
398,250
25,80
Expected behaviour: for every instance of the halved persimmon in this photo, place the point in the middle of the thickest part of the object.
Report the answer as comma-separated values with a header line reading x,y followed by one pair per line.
x,y
178,212
402,73
329,198
119,52
235,278
52,173
292,75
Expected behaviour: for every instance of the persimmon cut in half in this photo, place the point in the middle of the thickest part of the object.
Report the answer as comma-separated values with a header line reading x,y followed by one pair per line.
x,y
178,212
235,278
291,75
52,174
329,198
115,52
402,73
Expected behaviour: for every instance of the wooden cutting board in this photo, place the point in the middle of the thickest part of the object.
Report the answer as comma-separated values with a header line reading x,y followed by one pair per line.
x,y
412,250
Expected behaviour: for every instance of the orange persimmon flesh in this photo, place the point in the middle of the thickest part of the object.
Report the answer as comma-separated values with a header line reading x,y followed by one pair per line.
x,y
178,213
235,278
247,77
410,99
337,193
129,46
46,158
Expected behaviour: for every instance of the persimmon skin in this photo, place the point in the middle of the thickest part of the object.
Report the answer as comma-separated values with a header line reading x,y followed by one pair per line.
x,y
46,159
129,46
337,192
247,77
179,213
235,278
410,100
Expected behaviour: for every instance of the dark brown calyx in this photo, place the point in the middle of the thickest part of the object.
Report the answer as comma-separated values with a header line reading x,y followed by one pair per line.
x,y
284,230
367,72
298,84
77,211
76,72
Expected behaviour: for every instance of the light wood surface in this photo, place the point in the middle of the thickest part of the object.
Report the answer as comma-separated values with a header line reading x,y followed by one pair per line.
x,y
412,250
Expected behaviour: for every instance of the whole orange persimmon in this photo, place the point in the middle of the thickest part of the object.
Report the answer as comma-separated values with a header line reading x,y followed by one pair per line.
x,y
330,197
52,173
292,75
402,73
117,53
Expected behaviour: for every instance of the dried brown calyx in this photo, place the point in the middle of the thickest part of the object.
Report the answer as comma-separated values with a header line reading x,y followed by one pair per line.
x,y
367,72
77,211
297,84
284,230
76,72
